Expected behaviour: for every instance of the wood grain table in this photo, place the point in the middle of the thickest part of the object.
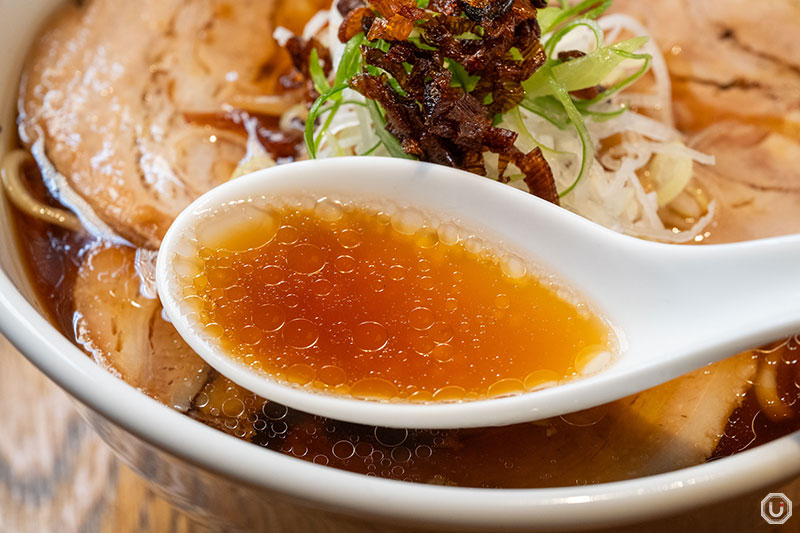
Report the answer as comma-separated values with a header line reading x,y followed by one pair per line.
x,y
55,472
56,475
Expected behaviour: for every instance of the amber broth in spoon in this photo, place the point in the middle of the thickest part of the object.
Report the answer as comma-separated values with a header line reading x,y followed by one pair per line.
x,y
350,300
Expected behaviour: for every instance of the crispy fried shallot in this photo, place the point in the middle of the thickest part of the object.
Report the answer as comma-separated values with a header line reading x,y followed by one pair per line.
x,y
442,74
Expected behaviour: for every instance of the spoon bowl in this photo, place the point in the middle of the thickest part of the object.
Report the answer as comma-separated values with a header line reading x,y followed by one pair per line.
x,y
673,308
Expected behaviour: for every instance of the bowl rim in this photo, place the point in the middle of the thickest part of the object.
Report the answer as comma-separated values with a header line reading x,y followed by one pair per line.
x,y
356,494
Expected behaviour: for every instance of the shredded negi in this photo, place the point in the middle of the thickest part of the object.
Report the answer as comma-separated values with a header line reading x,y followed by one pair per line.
x,y
520,91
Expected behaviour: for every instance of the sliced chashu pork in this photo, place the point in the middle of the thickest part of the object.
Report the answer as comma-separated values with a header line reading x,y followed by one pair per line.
x,y
736,93
125,332
672,426
728,58
755,181
108,84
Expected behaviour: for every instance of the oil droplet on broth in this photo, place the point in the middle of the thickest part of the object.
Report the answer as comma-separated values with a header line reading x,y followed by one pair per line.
x,y
287,235
328,210
349,238
370,336
506,387
322,287
272,275
345,263
300,374
450,393
397,272
421,318
376,388
443,353
305,258
540,378
269,317
357,302
441,332
331,375
300,333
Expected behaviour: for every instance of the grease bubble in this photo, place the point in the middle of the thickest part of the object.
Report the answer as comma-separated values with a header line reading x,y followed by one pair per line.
x,y
370,336
373,388
541,378
272,275
287,235
331,375
328,210
506,387
250,335
343,450
427,238
322,287
441,332
450,393
397,272
513,266
349,238
233,407
345,264
300,333
401,454
421,318
269,317
408,221
448,234
300,374
444,353
426,283
306,258
423,451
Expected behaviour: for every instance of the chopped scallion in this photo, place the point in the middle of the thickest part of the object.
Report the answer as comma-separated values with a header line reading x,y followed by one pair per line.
x,y
587,147
389,141
583,72
321,84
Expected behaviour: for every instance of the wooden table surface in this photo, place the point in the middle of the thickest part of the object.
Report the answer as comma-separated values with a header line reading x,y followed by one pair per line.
x,y
57,475
55,472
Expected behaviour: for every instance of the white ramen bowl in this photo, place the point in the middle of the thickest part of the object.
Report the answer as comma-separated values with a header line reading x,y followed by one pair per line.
x,y
228,482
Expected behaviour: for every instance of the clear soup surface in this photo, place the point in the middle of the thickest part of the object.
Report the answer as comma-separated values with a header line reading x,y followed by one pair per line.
x,y
349,300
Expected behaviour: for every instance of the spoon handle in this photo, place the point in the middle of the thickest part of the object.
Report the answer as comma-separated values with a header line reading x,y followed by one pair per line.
x,y
709,302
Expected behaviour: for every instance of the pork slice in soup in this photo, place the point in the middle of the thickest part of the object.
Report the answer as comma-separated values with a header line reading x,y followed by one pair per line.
x,y
125,332
735,93
728,59
756,181
109,86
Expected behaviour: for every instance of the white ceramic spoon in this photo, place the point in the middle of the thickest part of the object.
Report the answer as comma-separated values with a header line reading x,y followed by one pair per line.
x,y
675,308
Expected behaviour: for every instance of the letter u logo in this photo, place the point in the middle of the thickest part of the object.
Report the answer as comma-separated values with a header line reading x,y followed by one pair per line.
x,y
772,513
